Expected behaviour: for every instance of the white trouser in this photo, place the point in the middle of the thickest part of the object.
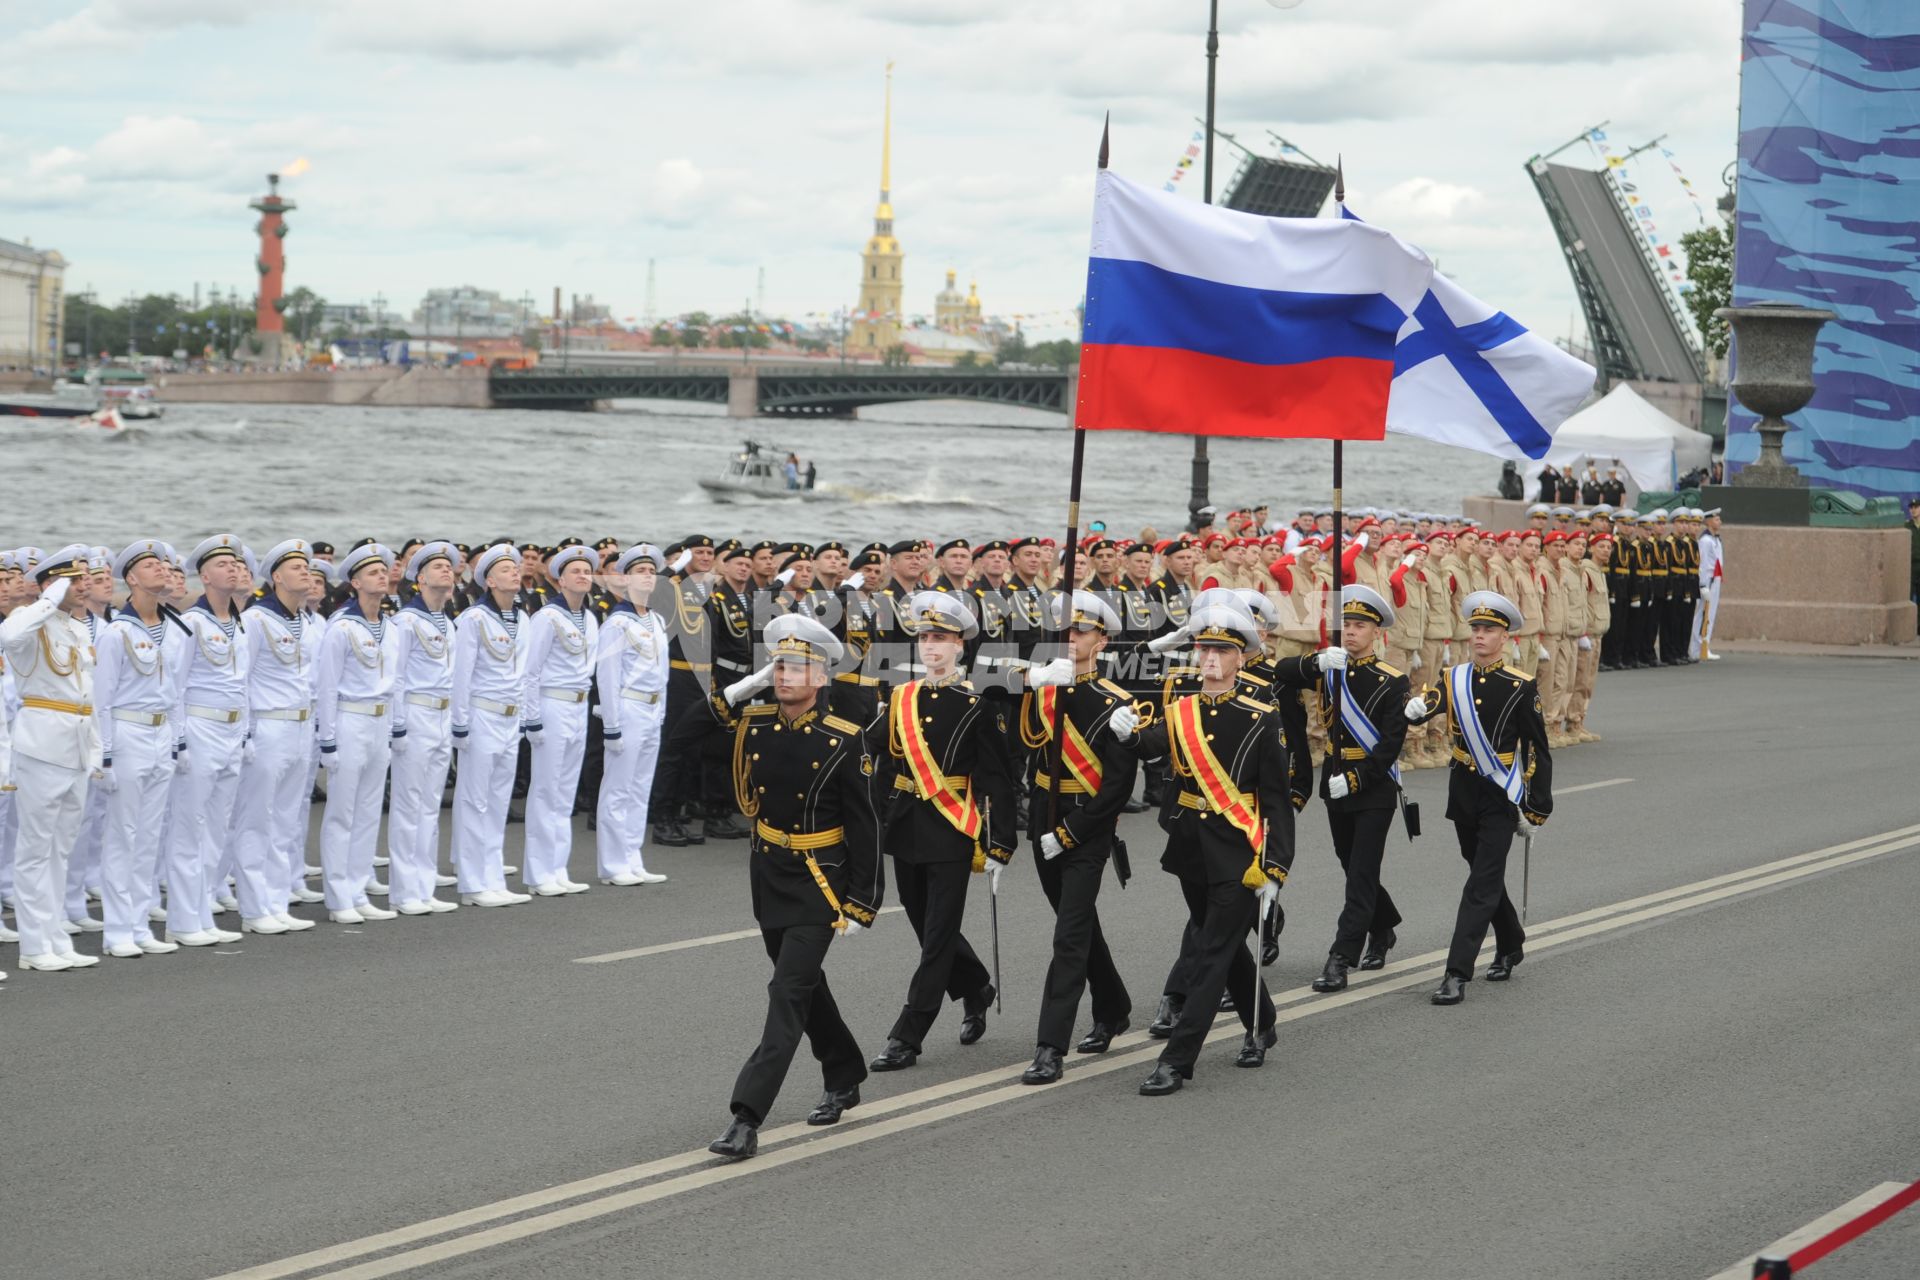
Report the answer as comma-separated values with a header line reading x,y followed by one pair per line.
x,y
9,827
268,806
203,800
625,787
550,795
296,834
50,801
136,820
83,864
481,794
1705,608
350,828
413,818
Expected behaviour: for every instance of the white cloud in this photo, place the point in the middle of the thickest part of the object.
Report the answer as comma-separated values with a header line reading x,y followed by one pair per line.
x,y
566,32
167,148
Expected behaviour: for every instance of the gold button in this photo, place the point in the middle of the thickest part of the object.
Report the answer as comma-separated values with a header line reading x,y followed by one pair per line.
x,y
926,719
761,790
752,732
1476,702
816,764
1209,737
833,742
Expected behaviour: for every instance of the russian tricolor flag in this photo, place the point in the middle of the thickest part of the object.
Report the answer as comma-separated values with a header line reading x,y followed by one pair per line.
x,y
1206,321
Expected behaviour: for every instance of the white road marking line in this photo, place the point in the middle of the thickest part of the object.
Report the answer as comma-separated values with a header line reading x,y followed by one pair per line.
x,y
685,944
1590,786
1787,1244
1137,1054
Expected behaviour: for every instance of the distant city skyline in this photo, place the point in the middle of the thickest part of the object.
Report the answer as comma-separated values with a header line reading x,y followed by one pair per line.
x,y
517,151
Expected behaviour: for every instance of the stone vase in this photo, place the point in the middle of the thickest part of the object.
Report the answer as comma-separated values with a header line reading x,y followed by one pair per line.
x,y
1773,377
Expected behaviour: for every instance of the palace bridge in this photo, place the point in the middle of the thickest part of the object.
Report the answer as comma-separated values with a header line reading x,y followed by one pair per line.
x,y
793,392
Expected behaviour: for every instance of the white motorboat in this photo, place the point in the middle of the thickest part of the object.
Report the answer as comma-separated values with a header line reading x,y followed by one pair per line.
x,y
759,471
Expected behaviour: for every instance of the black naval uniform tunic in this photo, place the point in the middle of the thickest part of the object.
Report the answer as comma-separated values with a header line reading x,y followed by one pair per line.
x,y
804,782
1213,858
699,742
1508,706
1360,820
1085,828
932,858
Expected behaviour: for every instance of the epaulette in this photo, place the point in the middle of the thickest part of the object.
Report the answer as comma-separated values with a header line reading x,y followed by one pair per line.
x,y
1255,704
1389,669
758,710
1255,678
1519,677
839,724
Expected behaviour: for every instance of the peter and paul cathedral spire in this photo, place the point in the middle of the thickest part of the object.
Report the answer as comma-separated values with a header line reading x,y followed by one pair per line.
x,y
876,320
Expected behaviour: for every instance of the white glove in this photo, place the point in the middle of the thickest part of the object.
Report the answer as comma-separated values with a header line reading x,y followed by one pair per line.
x,y
1050,846
1171,640
1332,659
1123,722
681,561
614,744
994,868
1360,541
740,690
852,927
58,591
1269,894
1409,560
1059,671
1415,663
536,735
783,577
180,760
1584,643
1416,708
858,580
460,737
105,780
1446,655
1337,788
1545,656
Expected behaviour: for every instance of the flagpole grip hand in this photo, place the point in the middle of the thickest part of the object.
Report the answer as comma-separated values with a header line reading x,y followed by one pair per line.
x,y
1124,721
1333,658
1416,708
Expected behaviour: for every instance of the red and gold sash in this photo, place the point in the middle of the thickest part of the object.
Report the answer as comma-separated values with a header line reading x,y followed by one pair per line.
x,y
1082,763
1211,777
911,739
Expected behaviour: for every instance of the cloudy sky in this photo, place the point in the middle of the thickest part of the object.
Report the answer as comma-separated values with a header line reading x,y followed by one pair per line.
x,y
520,146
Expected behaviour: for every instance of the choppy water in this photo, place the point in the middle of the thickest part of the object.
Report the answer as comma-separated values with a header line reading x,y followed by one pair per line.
x,y
944,469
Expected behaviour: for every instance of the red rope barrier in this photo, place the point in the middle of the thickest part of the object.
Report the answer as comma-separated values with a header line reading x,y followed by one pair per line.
x,y
1812,1252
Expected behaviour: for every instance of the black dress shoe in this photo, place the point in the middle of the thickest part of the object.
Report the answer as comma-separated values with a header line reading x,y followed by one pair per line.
x,y
1165,1016
832,1103
1378,945
1270,926
1135,806
974,1024
691,826
725,827
1163,1081
897,1056
1502,967
1334,976
1253,1049
1226,1002
1046,1066
671,834
1452,990
741,1140
1100,1039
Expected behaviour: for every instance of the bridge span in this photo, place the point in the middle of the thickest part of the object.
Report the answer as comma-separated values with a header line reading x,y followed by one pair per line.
x,y
775,391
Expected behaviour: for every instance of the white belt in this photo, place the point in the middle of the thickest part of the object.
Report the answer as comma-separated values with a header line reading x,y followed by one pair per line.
x,y
220,715
731,666
365,708
297,714
498,708
564,695
647,696
431,701
149,718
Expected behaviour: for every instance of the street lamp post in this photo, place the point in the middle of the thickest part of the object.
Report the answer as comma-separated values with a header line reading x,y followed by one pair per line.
x,y
1197,497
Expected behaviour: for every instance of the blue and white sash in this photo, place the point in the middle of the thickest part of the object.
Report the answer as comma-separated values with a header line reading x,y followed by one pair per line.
x,y
1354,718
1486,760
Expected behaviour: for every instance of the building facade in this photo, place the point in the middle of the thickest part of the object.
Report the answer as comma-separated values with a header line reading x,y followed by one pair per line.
x,y
32,306
465,311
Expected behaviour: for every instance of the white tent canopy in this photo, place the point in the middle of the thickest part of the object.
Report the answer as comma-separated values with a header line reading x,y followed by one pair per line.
x,y
1621,429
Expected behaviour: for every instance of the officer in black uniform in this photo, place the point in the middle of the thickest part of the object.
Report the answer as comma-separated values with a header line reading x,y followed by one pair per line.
x,y
800,772
950,815
890,654
679,597
1502,774
853,627
725,646
1229,833
1073,833
1360,781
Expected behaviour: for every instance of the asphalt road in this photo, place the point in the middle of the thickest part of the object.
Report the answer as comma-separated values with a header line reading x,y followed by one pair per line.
x,y
1713,1041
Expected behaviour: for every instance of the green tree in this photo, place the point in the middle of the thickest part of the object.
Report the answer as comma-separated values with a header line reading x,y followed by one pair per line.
x,y
895,356
1061,353
302,311
967,360
1012,350
1710,269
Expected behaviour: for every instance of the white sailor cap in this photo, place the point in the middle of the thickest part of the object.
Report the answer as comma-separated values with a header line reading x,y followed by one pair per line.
x,y
1490,608
247,558
635,554
427,554
362,556
145,549
1604,509
9,560
69,561
25,558
220,544
1266,614
1658,513
1224,624
1563,511
492,556
1365,605
1539,509
794,637
940,611
572,555
281,552
99,559
1709,512
1091,613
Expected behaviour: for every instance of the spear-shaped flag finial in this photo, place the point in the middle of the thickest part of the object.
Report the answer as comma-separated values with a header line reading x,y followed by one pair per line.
x,y
1339,181
1105,125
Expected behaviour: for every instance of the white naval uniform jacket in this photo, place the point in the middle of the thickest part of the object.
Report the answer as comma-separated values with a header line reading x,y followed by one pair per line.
x,y
487,657
1713,557
215,672
281,653
134,673
355,665
423,657
559,655
631,656
51,658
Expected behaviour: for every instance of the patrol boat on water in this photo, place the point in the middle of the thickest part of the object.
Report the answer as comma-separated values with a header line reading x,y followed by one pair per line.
x,y
759,471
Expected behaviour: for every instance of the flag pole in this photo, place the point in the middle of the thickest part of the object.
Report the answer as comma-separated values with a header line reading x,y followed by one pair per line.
x,y
1069,566
1335,625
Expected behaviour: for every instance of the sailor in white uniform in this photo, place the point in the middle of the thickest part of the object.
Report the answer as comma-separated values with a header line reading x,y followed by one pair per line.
x,y
55,750
353,690
422,732
630,669
560,640
138,656
294,835
210,733
1713,560
83,867
486,727
225,876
